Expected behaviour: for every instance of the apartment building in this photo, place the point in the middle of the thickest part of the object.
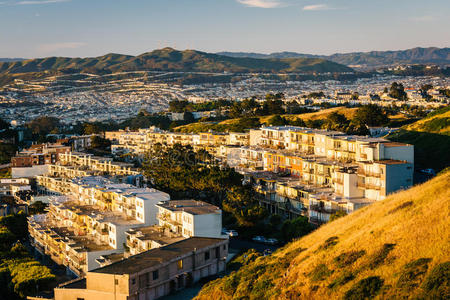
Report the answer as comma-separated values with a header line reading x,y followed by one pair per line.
x,y
151,274
41,154
190,218
328,171
142,239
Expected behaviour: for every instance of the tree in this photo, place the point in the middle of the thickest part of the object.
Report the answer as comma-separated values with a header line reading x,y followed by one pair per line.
x,y
42,126
3,124
91,128
370,115
296,228
397,91
336,121
337,215
100,143
276,120
241,203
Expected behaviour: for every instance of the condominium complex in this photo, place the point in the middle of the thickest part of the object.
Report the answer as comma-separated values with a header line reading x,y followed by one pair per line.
x,y
151,274
89,215
331,170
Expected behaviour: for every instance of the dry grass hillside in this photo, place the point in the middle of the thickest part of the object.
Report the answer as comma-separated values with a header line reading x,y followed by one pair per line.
x,y
231,123
398,248
438,122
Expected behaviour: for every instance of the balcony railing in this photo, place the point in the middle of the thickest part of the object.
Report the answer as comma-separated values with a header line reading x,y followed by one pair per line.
x,y
366,173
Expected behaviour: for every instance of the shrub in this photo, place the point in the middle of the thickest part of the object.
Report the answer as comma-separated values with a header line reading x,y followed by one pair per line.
x,y
401,206
348,258
320,273
379,257
330,242
341,280
413,273
365,289
437,283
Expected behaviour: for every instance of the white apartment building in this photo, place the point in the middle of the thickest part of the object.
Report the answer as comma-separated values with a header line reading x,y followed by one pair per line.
x,y
191,218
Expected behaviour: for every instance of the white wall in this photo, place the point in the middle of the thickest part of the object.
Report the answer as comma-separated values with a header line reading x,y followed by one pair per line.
x,y
209,225
29,171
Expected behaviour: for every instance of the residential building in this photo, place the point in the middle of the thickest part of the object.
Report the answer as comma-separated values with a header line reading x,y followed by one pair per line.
x,y
151,274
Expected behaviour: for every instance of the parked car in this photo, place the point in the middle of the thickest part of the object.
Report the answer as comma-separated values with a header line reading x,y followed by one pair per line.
x,y
230,232
272,241
259,239
233,233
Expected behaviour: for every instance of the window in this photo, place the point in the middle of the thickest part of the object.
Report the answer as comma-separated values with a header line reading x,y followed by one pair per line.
x,y
180,264
155,275
116,281
217,252
80,298
133,281
206,255
224,247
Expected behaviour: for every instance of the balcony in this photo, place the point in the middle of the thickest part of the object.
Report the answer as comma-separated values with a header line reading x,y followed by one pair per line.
x,y
368,186
366,173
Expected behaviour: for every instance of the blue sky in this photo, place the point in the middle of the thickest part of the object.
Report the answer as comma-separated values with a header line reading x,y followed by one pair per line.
x,y
39,28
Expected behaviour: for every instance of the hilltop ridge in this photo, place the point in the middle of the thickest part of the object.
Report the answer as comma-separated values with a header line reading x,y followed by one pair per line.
x,y
168,59
395,248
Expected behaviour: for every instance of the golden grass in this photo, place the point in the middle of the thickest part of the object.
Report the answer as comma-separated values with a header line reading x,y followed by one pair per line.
x,y
417,221
421,124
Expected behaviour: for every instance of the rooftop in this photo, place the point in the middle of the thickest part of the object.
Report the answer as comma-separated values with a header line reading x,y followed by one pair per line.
x,y
190,206
155,257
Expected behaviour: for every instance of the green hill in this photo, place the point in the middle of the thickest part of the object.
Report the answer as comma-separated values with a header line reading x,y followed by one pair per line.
x,y
431,139
168,59
397,248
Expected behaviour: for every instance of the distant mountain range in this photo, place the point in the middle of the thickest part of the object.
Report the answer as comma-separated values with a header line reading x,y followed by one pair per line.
x,y
440,56
4,59
168,59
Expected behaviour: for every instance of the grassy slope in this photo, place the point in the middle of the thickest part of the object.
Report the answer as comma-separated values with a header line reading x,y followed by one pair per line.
x,y
439,123
416,221
323,114
431,138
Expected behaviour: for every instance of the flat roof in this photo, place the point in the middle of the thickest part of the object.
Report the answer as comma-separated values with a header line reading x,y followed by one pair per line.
x,y
157,256
190,206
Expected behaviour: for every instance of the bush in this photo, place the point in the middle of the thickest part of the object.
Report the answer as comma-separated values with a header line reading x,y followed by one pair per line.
x,y
437,283
348,258
379,257
341,280
365,289
330,242
413,273
320,273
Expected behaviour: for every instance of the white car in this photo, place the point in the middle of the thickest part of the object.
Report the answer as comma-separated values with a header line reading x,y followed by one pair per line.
x,y
259,239
271,241
232,233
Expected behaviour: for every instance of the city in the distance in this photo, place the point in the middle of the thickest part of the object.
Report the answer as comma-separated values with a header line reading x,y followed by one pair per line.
x,y
232,149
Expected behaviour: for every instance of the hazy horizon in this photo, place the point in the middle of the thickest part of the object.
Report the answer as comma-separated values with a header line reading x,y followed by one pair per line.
x,y
83,28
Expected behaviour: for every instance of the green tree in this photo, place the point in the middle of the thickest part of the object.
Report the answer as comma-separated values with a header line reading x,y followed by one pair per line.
x,y
276,120
42,126
241,203
397,91
296,228
370,115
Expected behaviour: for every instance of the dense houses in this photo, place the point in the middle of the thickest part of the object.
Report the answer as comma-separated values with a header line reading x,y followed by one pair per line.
x,y
303,171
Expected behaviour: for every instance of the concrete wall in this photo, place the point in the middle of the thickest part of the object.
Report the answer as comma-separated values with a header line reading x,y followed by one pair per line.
x,y
209,225
29,171
399,153
398,176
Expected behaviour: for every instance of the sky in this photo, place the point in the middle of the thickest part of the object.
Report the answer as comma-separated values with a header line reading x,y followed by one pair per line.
x,y
85,28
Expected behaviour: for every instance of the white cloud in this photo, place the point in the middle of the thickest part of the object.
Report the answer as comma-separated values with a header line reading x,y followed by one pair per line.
x,y
317,7
261,3
48,48
36,2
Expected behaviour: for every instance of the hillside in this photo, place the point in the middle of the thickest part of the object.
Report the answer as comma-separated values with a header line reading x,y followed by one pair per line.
x,y
437,122
368,59
394,249
168,59
431,139
233,124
